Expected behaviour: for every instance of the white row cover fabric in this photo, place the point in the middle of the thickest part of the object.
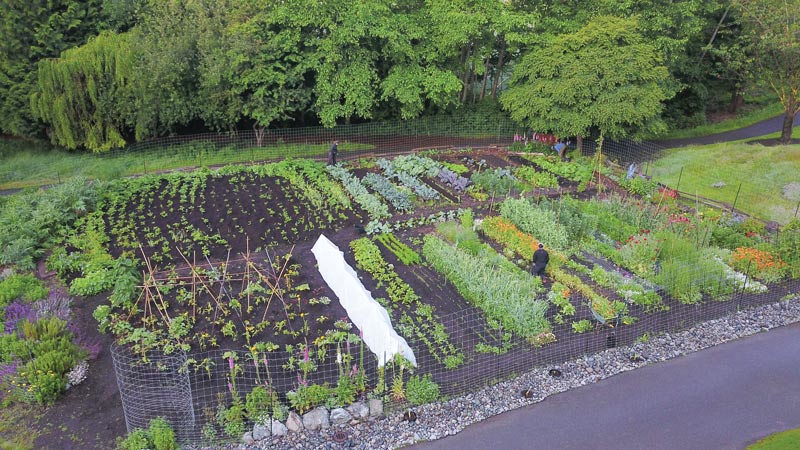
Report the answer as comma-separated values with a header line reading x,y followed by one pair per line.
x,y
367,314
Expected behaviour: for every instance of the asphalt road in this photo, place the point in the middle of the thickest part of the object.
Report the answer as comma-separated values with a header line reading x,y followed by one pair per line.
x,y
724,397
762,128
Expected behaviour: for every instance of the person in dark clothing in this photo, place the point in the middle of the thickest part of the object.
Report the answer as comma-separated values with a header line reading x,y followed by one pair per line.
x,y
540,260
332,153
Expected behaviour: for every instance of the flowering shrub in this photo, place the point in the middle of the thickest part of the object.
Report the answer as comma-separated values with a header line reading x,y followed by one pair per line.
x,y
760,264
639,252
665,196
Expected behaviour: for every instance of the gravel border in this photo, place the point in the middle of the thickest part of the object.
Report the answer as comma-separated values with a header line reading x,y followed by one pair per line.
x,y
441,419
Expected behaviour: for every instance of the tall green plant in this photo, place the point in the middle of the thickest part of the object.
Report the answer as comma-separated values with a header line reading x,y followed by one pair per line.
x,y
504,294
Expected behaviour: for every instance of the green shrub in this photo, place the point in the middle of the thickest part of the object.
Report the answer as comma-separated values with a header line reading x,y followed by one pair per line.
x,y
421,390
260,403
33,221
53,354
730,238
161,434
25,286
345,391
136,440
231,419
306,398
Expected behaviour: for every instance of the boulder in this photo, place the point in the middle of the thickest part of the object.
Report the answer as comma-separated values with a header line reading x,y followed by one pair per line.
x,y
261,432
340,416
294,423
359,410
316,419
375,408
278,428
247,439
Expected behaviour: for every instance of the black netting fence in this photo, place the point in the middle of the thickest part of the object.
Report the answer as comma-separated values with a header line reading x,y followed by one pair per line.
x,y
191,389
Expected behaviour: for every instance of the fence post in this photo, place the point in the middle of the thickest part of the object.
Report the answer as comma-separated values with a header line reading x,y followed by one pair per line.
x,y
680,175
733,208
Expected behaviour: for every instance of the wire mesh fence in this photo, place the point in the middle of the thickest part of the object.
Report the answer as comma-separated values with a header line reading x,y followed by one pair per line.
x,y
191,390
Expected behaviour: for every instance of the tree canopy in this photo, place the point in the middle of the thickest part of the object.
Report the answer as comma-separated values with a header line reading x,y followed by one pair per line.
x,y
227,64
774,29
602,77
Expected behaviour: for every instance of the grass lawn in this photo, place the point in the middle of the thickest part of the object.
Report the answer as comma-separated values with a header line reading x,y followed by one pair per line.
x,y
786,440
762,172
25,164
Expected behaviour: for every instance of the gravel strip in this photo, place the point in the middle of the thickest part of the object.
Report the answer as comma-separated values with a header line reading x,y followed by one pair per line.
x,y
440,419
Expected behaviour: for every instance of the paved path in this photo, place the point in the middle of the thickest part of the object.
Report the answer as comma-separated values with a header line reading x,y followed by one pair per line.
x,y
724,397
757,129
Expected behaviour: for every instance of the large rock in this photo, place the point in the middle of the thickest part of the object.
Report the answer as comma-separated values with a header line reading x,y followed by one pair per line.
x,y
261,432
278,428
375,408
294,423
247,439
359,410
316,419
340,416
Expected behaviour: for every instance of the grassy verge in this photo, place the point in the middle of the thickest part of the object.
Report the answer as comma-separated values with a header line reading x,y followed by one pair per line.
x,y
786,440
762,172
23,164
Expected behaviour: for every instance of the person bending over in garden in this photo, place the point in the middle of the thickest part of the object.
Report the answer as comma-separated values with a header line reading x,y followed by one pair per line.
x,y
332,153
540,260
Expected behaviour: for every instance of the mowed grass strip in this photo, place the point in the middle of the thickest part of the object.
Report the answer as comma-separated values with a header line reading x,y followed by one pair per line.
x,y
763,173
27,164
786,440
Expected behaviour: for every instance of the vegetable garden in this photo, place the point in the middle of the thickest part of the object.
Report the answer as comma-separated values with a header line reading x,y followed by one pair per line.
x,y
215,268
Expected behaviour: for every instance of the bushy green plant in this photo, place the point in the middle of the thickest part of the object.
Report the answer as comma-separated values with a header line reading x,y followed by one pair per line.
x,y
788,247
495,181
345,391
33,221
24,286
162,435
536,179
421,390
136,440
308,397
582,326
639,186
48,354
259,403
639,253
568,213
159,436
730,238
231,419
541,223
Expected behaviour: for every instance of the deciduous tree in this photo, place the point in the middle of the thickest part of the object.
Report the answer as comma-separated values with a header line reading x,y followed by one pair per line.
x,y
603,76
774,28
